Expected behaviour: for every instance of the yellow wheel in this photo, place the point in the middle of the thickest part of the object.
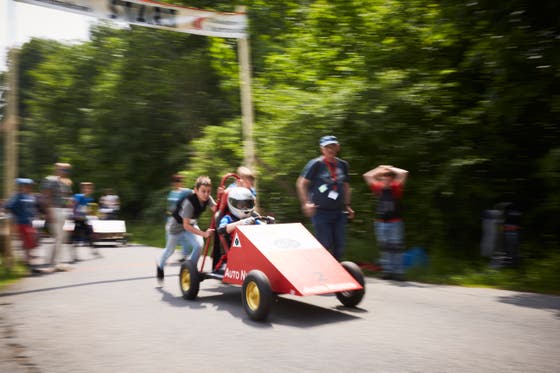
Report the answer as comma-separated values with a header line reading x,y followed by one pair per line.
x,y
257,295
189,280
253,296
185,281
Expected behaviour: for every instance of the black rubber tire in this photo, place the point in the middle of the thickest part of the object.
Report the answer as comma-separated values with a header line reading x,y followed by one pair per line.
x,y
257,295
189,280
353,297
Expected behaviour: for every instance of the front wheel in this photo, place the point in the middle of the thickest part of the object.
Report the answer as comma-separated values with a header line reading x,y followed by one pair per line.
x,y
189,280
353,297
257,295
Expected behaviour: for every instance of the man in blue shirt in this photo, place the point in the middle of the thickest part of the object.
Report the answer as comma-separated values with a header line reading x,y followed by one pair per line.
x,y
324,192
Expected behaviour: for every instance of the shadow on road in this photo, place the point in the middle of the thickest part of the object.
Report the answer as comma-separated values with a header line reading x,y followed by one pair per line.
x,y
297,313
284,311
6,294
409,284
176,301
538,301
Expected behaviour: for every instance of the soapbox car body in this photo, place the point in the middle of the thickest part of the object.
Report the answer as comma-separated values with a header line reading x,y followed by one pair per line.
x,y
272,259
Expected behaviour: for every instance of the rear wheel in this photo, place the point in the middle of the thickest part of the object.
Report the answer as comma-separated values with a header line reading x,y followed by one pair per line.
x,y
189,280
353,297
257,295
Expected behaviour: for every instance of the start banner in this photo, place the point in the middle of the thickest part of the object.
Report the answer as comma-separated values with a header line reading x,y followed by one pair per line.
x,y
156,14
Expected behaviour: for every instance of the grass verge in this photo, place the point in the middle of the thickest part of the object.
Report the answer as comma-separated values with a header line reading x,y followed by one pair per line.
x,y
149,234
534,275
10,275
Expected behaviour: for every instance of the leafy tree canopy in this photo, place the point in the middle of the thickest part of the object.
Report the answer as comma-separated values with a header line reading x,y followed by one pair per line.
x,y
463,95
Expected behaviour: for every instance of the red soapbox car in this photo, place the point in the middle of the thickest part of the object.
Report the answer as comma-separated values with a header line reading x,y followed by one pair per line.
x,y
270,259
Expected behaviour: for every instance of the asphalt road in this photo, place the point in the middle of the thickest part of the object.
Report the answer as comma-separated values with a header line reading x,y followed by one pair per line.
x,y
108,314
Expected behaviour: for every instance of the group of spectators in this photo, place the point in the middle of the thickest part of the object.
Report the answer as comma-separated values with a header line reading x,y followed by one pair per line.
x,y
324,191
57,206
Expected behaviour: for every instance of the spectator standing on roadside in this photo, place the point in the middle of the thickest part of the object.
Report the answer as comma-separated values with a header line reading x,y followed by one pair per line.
x,y
57,194
323,189
387,183
82,205
23,206
109,204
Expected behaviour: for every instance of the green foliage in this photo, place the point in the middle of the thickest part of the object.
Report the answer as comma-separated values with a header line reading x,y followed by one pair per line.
x,y
121,108
463,95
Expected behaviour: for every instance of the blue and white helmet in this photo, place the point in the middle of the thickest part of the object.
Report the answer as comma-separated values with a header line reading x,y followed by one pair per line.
x,y
241,202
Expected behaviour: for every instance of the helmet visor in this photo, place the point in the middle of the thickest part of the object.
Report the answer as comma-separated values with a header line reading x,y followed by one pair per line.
x,y
242,204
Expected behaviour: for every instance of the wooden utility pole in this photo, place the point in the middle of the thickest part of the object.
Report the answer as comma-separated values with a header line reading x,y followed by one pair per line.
x,y
246,100
10,126
243,55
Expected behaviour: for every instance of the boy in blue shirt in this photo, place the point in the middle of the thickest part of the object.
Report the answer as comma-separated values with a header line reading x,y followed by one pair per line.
x,y
81,210
240,211
23,206
241,205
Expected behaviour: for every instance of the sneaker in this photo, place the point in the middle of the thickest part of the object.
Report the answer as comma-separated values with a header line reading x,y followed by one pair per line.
x,y
182,259
160,274
33,270
62,267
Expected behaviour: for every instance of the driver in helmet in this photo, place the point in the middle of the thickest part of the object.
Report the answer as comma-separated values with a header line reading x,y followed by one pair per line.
x,y
241,210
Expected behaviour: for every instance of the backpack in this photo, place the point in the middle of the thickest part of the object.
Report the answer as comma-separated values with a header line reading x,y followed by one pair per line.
x,y
177,211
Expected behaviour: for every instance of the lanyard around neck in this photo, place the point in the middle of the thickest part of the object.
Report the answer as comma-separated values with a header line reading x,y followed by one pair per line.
x,y
332,170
